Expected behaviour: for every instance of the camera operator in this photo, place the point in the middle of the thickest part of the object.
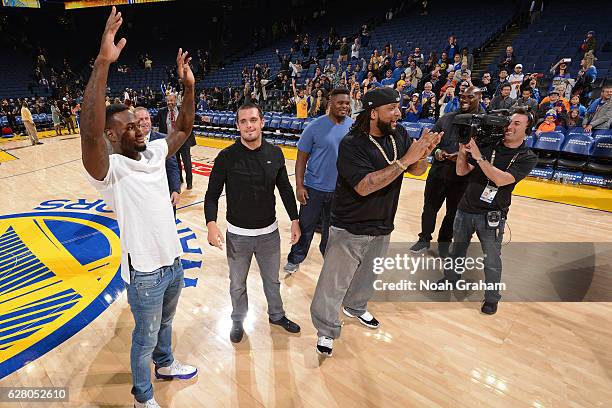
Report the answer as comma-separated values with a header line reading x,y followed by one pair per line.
x,y
493,173
443,183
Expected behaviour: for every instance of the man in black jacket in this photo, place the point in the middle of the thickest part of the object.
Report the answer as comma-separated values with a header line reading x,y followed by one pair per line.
x,y
165,120
443,183
172,171
250,170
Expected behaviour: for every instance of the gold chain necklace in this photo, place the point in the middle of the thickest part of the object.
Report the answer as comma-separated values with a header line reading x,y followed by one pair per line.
x,y
383,152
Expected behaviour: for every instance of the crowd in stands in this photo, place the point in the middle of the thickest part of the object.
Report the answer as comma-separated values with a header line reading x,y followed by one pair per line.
x,y
429,83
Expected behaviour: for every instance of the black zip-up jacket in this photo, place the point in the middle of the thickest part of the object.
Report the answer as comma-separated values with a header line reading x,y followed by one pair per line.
x,y
249,177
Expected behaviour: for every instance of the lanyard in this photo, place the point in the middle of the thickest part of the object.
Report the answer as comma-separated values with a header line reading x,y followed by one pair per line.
x,y
509,164
493,160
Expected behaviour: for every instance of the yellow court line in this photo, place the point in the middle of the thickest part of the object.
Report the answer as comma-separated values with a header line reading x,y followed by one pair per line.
x,y
597,198
5,156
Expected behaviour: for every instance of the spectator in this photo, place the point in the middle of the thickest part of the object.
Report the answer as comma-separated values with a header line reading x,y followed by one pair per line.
x,y
418,56
344,50
574,119
516,80
502,101
486,86
355,49
356,103
444,61
502,79
389,15
399,69
56,118
553,97
586,76
463,69
589,42
456,65
508,61
148,64
318,105
527,101
427,93
414,109
296,69
413,75
450,82
548,125
561,119
535,92
451,48
449,95
467,58
28,122
364,36
429,110
432,62
576,105
388,81
301,104
599,114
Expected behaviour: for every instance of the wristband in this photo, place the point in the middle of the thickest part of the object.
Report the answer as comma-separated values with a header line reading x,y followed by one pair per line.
x,y
481,160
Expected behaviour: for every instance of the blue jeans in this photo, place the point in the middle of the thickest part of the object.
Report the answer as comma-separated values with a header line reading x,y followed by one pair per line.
x,y
153,297
490,240
318,207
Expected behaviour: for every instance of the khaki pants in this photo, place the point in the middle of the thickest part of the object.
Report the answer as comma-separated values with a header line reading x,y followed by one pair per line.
x,y
31,129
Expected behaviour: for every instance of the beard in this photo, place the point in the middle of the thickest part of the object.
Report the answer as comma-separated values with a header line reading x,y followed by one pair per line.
x,y
140,148
385,127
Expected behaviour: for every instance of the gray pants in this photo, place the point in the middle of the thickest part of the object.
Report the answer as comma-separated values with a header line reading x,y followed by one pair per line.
x,y
31,129
346,279
240,251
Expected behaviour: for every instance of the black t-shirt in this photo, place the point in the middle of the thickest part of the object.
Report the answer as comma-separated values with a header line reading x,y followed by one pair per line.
x,y
357,157
522,166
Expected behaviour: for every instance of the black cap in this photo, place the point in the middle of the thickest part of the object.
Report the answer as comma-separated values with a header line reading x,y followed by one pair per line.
x,y
379,97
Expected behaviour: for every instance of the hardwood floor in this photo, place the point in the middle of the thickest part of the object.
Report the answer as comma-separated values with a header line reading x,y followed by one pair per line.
x,y
425,354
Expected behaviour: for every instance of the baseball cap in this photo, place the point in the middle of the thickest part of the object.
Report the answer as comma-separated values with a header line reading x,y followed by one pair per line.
x,y
379,97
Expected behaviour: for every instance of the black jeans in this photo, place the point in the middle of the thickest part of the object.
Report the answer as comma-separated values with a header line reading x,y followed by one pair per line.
x,y
318,207
439,188
490,241
184,153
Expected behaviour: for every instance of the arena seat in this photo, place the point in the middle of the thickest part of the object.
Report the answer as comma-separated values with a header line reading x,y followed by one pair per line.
x,y
575,151
601,156
547,146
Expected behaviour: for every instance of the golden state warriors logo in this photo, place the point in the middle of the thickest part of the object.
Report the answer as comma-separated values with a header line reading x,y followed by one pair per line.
x,y
58,272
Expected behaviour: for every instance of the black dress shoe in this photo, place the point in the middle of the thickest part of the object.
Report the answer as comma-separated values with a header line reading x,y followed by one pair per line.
x,y
489,308
237,332
189,186
286,324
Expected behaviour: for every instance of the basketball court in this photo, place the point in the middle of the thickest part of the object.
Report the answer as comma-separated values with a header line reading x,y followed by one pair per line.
x,y
65,321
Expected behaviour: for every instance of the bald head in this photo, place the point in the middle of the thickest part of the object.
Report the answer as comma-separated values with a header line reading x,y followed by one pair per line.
x,y
470,99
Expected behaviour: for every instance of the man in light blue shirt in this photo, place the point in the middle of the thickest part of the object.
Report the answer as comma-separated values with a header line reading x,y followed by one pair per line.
x,y
316,173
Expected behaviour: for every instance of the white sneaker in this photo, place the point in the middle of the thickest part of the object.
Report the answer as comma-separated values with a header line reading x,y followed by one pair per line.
x,y
366,319
325,345
149,404
176,370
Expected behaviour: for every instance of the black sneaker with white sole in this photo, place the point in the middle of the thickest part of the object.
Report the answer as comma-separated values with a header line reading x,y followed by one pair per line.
x,y
366,319
325,346
419,246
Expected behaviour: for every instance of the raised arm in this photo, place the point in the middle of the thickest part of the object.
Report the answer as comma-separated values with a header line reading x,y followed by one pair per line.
x,y
184,121
94,150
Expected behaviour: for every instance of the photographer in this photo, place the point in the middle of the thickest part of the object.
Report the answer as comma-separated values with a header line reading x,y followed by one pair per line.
x,y
443,184
494,173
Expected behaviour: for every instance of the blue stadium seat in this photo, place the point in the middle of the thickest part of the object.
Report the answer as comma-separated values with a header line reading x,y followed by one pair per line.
x,y
568,177
530,140
575,152
548,145
542,172
601,156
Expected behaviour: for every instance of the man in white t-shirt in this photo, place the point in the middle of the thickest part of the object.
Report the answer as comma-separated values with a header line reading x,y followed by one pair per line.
x,y
132,181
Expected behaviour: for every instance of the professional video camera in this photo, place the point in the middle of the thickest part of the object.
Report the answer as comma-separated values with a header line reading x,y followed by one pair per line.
x,y
485,129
